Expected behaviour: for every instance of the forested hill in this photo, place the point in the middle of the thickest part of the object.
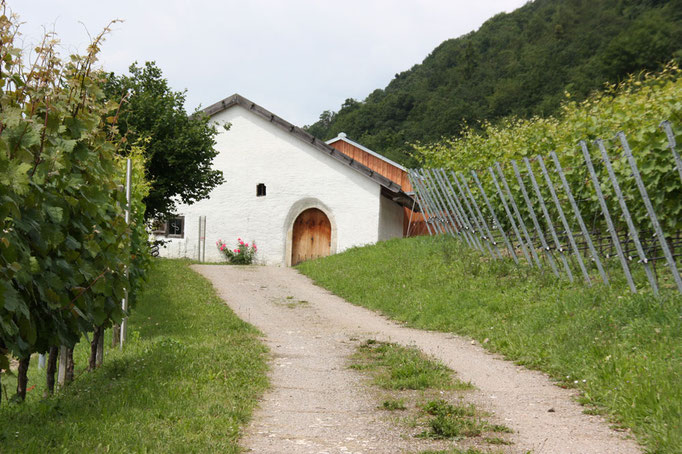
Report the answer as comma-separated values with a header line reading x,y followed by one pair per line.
x,y
520,63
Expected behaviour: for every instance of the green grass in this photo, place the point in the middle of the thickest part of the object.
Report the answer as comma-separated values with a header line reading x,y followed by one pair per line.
x,y
454,451
187,381
409,375
398,367
622,351
393,405
456,421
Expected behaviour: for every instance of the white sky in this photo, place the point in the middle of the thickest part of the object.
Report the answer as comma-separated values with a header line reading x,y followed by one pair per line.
x,y
296,58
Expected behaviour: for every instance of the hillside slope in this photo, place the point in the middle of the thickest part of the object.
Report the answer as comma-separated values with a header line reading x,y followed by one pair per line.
x,y
520,63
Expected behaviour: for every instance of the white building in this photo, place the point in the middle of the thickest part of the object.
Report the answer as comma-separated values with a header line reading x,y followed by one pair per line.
x,y
294,195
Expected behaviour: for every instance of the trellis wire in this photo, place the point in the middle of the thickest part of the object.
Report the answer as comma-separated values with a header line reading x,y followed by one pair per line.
x,y
451,206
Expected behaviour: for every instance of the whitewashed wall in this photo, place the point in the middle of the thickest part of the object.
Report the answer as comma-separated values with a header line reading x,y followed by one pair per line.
x,y
390,220
255,151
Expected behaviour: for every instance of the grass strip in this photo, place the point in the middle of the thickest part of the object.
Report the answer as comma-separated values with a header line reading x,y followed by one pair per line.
x,y
398,367
623,351
410,377
186,381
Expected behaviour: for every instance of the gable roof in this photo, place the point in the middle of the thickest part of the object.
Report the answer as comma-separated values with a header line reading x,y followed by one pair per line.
x,y
343,137
389,189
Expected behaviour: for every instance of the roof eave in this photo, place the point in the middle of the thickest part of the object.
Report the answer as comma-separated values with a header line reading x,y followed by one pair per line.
x,y
392,188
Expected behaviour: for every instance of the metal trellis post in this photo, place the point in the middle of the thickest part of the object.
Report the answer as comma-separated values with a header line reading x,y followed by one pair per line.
x,y
522,245
538,229
607,216
652,214
628,219
426,207
531,246
579,218
548,219
484,223
671,141
462,213
481,233
452,208
436,209
564,222
445,218
495,220
124,303
419,199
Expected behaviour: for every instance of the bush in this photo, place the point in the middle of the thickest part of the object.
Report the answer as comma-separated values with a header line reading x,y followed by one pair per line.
x,y
243,254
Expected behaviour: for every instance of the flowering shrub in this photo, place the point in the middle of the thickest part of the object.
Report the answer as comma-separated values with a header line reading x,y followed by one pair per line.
x,y
243,254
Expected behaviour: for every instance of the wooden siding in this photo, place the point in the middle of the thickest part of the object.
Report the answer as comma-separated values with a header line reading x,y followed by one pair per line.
x,y
391,172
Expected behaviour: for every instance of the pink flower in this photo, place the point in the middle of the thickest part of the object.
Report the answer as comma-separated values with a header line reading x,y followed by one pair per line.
x,y
239,239
247,245
222,246
236,250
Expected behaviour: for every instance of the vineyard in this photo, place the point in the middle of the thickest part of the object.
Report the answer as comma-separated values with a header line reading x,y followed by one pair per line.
x,y
609,186
68,256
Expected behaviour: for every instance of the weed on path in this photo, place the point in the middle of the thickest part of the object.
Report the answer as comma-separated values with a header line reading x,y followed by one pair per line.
x,y
428,400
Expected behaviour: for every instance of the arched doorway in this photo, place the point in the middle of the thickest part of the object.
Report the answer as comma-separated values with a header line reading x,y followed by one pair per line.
x,y
311,237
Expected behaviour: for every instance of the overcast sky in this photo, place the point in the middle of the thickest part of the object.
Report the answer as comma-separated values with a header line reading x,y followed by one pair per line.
x,y
296,58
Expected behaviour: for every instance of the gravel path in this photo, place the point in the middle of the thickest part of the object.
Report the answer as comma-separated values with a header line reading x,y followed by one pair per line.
x,y
317,405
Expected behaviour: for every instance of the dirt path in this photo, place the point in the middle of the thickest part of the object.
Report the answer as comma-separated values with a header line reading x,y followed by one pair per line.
x,y
317,405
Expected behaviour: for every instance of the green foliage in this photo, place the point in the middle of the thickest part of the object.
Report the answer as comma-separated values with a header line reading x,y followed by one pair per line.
x,y
64,242
620,350
399,367
517,64
178,147
635,106
393,404
187,381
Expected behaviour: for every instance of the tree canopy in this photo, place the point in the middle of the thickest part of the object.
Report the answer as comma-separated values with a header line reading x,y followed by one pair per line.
x,y
179,147
519,64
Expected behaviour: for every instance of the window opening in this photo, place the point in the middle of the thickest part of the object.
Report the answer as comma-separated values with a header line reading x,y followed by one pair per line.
x,y
260,190
159,227
176,227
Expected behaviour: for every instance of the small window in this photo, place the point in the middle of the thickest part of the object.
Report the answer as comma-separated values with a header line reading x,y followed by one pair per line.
x,y
260,190
159,227
172,228
176,227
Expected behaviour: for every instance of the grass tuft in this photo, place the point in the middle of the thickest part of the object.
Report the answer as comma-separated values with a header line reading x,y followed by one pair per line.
x,y
399,367
393,404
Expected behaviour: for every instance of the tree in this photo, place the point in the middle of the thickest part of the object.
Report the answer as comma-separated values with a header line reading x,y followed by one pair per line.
x,y
179,147
517,64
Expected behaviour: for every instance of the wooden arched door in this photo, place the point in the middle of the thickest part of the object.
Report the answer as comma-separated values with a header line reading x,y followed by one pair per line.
x,y
311,237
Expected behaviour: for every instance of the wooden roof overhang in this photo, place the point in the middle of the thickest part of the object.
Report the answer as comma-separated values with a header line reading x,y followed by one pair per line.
x,y
389,188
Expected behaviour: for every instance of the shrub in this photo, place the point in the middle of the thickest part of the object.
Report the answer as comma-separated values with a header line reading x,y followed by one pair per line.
x,y
243,254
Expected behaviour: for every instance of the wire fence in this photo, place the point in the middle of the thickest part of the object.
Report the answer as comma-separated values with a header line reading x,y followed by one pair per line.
x,y
573,221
